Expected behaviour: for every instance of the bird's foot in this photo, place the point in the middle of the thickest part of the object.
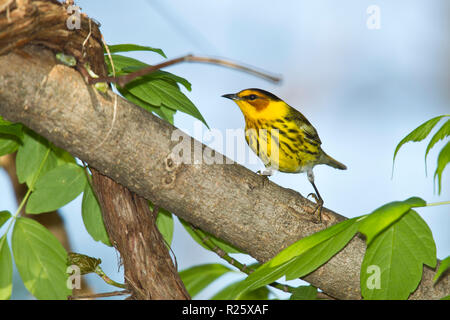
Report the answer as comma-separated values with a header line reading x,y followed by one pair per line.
x,y
264,176
319,206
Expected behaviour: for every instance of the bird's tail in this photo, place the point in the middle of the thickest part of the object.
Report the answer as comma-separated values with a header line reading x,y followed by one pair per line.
x,y
326,159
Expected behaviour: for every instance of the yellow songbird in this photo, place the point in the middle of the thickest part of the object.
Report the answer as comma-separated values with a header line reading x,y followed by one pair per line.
x,y
281,136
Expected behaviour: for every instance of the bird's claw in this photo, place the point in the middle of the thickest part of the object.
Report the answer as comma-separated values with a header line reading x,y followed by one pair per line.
x,y
319,205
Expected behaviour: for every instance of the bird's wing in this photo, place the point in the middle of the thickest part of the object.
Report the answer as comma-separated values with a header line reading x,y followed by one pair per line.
x,y
305,125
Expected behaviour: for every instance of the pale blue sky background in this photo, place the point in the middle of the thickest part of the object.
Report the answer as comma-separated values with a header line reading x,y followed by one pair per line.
x,y
362,89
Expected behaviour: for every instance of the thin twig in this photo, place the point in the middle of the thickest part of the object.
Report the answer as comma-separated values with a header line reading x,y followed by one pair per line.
x,y
124,79
437,203
234,65
115,96
99,295
241,267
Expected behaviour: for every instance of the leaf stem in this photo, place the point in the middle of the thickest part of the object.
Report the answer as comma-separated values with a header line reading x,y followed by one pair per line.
x,y
209,243
30,188
107,279
22,203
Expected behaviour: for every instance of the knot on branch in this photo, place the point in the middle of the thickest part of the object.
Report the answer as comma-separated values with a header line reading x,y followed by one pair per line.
x,y
172,166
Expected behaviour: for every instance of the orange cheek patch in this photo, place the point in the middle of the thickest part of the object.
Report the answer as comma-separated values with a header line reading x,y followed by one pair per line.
x,y
259,104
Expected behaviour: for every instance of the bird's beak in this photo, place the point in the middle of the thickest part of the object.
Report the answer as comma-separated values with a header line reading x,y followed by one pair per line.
x,y
231,96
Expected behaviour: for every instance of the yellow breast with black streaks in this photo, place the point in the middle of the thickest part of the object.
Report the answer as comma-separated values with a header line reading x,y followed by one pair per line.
x,y
280,144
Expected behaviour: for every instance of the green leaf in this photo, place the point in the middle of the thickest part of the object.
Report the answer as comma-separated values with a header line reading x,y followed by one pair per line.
x,y
384,216
92,216
316,256
442,133
167,114
6,270
40,260
304,293
14,129
227,293
160,74
142,89
257,294
443,160
310,242
8,144
418,134
445,298
4,216
199,277
4,122
86,263
33,158
164,222
125,65
123,62
171,78
443,267
61,156
133,47
159,92
393,263
56,188
303,257
157,110
156,92
139,102
228,248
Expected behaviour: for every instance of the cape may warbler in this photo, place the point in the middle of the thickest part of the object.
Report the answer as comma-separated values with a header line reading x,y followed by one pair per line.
x,y
281,136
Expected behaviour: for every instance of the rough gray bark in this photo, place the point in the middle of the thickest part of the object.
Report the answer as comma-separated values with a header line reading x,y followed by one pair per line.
x,y
228,201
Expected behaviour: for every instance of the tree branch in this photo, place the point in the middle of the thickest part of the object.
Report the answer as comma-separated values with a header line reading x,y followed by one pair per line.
x,y
149,270
228,201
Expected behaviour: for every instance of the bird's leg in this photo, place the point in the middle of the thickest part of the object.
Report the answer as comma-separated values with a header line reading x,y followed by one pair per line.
x,y
316,196
265,174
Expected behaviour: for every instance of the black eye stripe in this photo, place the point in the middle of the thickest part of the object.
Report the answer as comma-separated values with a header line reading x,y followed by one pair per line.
x,y
252,97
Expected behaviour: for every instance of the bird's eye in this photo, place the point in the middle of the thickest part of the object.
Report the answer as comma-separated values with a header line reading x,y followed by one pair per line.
x,y
252,97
